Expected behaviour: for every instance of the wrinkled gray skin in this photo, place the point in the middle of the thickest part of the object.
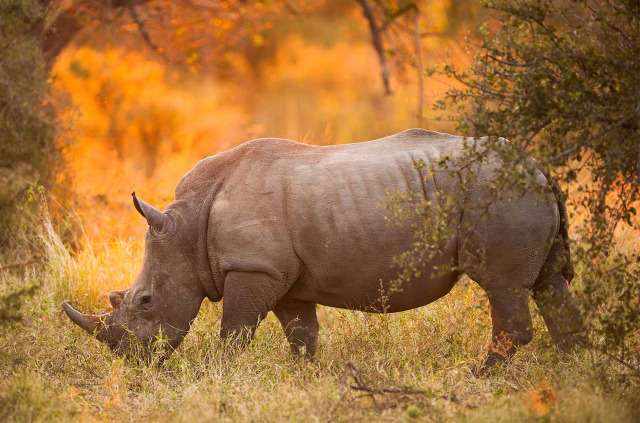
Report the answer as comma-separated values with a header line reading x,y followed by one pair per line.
x,y
274,225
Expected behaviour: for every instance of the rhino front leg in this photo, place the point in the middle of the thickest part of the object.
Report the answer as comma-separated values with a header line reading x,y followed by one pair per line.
x,y
300,324
247,299
512,326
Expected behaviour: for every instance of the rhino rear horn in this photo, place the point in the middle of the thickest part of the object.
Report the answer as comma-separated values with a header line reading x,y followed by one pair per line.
x,y
158,220
91,323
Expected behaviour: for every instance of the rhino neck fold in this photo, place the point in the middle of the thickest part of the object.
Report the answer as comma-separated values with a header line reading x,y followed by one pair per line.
x,y
203,263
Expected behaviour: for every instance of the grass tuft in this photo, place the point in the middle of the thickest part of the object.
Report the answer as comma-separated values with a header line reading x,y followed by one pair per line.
x,y
416,365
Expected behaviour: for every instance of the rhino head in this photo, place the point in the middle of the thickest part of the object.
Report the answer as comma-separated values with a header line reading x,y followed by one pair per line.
x,y
165,296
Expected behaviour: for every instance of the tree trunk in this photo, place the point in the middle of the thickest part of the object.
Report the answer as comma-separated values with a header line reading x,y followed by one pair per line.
x,y
56,35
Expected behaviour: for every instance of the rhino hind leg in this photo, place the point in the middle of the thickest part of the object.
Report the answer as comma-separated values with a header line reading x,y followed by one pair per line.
x,y
512,326
300,324
556,304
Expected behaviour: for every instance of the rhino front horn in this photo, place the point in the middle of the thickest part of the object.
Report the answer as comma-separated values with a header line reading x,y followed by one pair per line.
x,y
90,323
158,220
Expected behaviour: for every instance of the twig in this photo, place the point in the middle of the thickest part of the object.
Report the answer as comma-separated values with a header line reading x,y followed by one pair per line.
x,y
638,164
22,264
418,52
389,390
335,406
393,16
635,369
290,8
361,386
512,64
143,30
589,141
206,4
376,39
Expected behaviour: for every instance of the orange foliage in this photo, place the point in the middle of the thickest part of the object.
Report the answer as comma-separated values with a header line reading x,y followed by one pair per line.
x,y
140,125
542,400
137,129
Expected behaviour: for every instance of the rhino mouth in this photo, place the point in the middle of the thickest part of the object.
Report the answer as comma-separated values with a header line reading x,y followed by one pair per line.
x,y
101,326
122,341
93,324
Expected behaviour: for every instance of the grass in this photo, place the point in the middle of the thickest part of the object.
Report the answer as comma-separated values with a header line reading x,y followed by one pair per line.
x,y
50,370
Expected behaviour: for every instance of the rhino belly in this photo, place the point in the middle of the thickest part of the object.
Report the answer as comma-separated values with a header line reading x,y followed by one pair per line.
x,y
337,219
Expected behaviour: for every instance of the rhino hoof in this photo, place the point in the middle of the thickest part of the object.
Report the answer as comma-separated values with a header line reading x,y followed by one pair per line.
x,y
489,364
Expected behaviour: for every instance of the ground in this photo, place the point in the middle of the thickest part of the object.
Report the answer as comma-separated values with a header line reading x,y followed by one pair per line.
x,y
50,370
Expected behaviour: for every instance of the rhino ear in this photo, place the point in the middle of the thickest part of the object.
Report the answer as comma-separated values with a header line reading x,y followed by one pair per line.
x,y
158,220
116,298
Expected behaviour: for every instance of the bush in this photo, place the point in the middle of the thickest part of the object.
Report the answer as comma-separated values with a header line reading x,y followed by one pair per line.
x,y
28,150
561,81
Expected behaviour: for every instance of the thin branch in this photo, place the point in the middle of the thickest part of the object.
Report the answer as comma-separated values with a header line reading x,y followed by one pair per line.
x,y
205,4
361,386
534,132
290,8
21,264
638,164
389,390
426,34
143,30
376,39
599,17
625,363
506,63
393,16
595,138
418,53
569,151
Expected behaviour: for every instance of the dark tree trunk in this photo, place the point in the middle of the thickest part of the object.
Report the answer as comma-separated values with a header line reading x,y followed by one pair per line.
x,y
67,23
54,38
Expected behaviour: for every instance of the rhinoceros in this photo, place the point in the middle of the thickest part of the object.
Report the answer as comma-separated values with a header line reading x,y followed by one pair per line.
x,y
276,225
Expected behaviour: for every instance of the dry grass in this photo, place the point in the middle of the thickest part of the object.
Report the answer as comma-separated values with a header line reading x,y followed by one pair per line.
x,y
52,371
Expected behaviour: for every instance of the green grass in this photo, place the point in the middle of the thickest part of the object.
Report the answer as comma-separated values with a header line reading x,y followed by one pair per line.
x,y
50,370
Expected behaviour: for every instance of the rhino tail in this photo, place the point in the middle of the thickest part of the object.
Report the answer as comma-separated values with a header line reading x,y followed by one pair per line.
x,y
563,233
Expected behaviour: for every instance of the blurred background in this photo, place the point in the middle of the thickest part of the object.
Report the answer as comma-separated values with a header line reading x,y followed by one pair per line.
x,y
142,90
99,98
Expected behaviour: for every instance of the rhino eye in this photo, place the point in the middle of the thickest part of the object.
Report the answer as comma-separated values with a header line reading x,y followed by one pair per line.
x,y
145,299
